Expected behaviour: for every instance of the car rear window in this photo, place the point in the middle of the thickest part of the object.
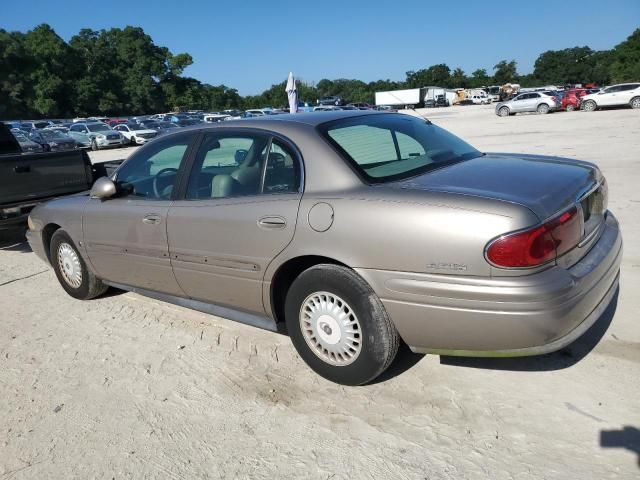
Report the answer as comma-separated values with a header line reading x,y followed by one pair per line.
x,y
389,147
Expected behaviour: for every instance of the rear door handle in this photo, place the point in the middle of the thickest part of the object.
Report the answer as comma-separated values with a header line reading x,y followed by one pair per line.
x,y
151,219
272,223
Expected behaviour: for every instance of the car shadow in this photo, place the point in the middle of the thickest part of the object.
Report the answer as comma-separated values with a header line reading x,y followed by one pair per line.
x,y
564,358
13,240
405,360
627,437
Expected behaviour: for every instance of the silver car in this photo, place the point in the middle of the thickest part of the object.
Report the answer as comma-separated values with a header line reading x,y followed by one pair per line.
x,y
528,102
96,135
351,231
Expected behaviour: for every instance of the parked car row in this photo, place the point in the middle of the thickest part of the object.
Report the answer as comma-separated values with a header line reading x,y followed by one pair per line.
x,y
625,94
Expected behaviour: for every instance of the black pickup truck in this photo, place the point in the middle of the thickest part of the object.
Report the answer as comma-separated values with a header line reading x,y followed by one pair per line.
x,y
27,179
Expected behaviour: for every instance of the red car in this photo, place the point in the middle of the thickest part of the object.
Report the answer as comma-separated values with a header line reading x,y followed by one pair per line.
x,y
112,122
571,99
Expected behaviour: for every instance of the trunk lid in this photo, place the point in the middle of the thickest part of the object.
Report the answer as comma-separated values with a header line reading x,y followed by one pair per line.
x,y
543,184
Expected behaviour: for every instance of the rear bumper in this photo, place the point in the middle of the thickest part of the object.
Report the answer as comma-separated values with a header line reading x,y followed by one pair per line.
x,y
502,316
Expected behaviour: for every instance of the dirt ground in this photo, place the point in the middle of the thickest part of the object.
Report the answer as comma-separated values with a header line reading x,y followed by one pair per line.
x,y
129,387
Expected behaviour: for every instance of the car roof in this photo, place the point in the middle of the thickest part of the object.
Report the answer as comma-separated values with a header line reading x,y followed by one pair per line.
x,y
280,123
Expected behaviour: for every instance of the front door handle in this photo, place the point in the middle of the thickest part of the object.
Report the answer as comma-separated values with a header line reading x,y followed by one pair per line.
x,y
151,219
272,223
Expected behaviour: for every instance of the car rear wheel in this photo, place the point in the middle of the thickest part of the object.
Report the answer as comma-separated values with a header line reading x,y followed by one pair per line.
x,y
71,269
503,112
339,326
570,108
588,106
543,108
635,102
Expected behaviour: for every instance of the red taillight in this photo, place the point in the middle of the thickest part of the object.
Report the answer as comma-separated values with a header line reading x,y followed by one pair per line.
x,y
539,244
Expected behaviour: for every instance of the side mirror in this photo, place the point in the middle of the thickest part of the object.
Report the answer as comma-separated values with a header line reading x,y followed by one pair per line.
x,y
103,188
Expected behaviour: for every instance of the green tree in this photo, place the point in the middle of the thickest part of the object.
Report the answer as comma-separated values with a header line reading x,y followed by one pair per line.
x,y
14,65
458,79
571,65
624,63
436,75
479,78
505,72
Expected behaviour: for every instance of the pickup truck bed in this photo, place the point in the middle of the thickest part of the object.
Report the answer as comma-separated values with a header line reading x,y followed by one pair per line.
x,y
28,179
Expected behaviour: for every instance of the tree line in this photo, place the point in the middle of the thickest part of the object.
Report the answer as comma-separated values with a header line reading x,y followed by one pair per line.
x,y
123,72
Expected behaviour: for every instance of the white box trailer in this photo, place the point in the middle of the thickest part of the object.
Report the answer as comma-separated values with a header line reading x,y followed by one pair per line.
x,y
400,98
432,93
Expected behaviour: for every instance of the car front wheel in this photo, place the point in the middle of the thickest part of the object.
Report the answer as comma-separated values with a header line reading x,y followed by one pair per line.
x,y
339,326
71,270
588,106
503,112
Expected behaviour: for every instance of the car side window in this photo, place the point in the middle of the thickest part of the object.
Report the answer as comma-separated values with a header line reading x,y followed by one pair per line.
x,y
152,173
534,95
409,147
282,173
228,165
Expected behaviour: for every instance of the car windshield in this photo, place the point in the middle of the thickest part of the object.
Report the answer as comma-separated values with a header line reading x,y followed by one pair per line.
x,y
20,137
389,147
53,135
98,127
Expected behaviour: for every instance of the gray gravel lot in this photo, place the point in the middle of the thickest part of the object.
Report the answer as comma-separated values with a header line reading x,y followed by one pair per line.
x,y
128,387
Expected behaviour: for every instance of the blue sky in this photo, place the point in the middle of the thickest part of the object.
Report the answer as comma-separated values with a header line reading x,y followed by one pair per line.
x,y
250,45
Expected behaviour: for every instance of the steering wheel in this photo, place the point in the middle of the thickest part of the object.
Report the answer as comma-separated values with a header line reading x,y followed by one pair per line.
x,y
155,180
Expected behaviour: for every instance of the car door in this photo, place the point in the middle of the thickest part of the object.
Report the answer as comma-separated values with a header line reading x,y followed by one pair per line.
x,y
627,92
519,103
126,236
239,211
607,97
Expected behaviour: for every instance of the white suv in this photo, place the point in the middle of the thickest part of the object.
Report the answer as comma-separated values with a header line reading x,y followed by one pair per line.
x,y
615,95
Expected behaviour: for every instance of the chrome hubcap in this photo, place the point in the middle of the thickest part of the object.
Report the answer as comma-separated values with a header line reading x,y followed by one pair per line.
x,y
330,328
69,265
636,103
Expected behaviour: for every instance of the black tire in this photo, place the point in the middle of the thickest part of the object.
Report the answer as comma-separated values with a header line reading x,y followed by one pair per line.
x,y
379,337
89,286
588,106
543,109
635,102
570,108
504,112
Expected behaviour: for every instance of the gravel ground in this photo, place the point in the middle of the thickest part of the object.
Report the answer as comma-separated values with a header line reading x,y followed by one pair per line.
x,y
128,387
